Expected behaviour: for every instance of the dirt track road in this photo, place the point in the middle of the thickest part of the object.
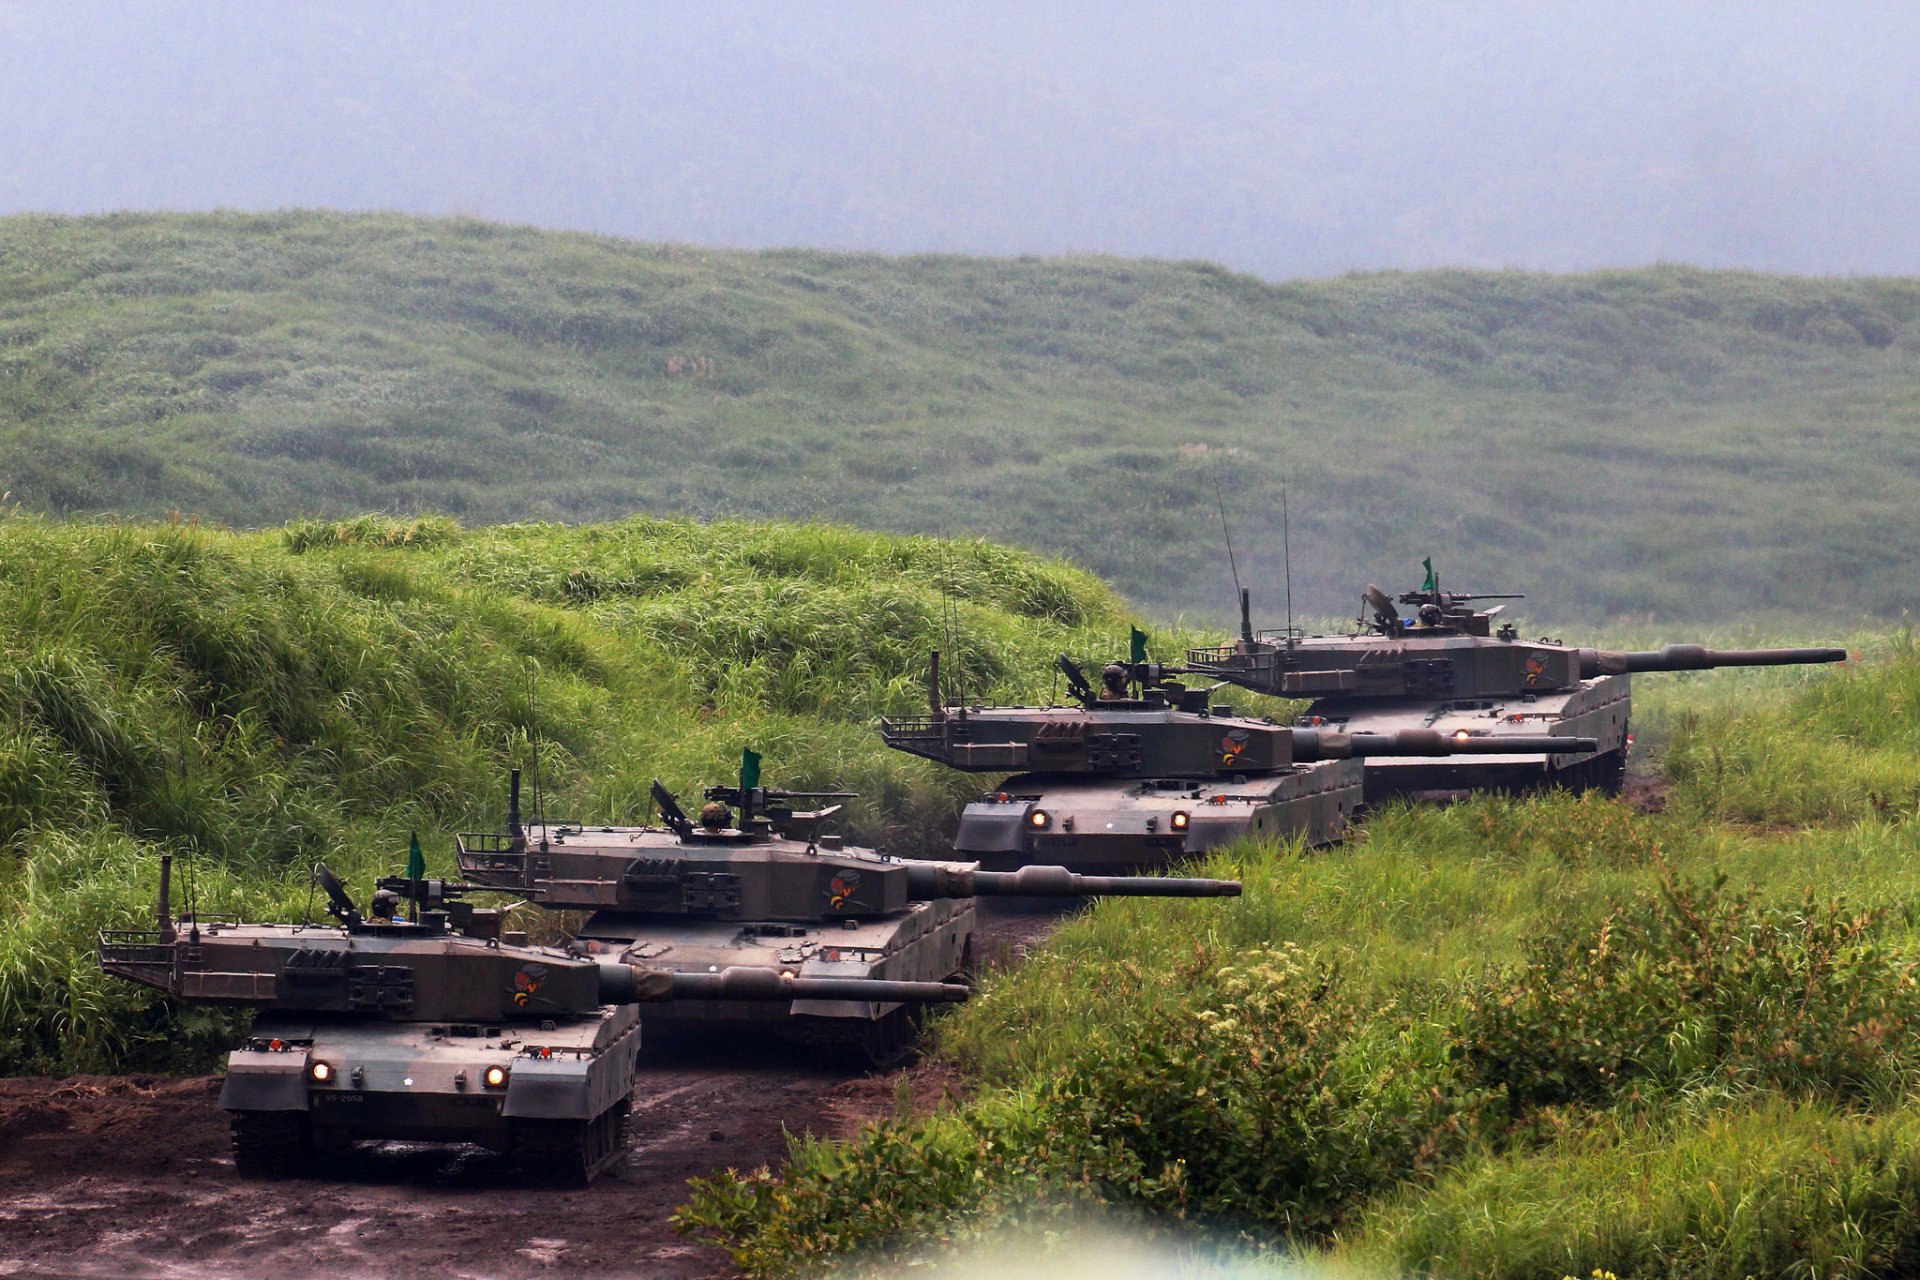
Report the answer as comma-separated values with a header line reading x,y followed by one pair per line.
x,y
131,1176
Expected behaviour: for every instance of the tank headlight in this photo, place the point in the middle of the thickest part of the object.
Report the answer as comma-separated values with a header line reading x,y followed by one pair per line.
x,y
1038,820
1179,820
320,1072
1461,735
495,1077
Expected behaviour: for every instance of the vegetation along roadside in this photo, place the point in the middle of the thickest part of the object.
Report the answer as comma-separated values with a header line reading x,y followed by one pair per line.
x,y
1503,1038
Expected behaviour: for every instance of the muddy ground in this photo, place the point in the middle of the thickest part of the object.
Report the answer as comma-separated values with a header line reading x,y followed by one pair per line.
x,y
131,1176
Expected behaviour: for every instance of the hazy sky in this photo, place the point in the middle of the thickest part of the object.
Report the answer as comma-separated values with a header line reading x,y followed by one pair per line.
x,y
1281,138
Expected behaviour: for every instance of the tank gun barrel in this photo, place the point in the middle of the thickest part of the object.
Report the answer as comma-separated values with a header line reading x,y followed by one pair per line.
x,y
1327,744
941,880
1694,657
633,984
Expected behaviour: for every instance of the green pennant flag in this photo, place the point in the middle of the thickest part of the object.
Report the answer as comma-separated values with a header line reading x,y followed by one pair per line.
x,y
1432,583
1139,639
749,769
416,864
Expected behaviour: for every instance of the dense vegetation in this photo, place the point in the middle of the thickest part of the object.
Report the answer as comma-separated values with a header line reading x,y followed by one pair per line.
x,y
254,702
1668,442
1503,1038
1506,1038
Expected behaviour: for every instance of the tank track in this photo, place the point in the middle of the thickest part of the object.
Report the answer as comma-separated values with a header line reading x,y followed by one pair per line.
x,y
877,1043
272,1144
570,1153
1605,773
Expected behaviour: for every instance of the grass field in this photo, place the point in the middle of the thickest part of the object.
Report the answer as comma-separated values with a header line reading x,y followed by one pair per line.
x,y
1505,1038
1502,1038
255,702
1668,443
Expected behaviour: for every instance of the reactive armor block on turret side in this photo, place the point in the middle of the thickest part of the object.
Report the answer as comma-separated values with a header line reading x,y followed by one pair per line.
x,y
1142,781
773,893
1448,668
388,1029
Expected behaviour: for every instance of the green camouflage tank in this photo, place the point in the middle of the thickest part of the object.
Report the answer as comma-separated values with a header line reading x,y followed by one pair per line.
x,y
1147,771
1434,662
440,1029
755,883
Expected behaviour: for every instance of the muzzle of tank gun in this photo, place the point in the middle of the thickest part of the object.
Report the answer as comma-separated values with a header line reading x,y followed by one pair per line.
x,y
935,880
1310,745
1694,657
634,984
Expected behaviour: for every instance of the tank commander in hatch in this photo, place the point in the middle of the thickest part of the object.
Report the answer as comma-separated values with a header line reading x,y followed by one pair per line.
x,y
715,816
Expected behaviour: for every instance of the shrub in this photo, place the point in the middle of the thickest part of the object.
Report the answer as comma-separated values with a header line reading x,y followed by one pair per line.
x,y
1693,989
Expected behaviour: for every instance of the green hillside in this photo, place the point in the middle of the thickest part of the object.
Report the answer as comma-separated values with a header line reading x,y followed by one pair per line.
x,y
1669,442
254,702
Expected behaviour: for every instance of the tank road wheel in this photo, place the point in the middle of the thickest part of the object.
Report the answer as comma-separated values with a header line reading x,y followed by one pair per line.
x,y
568,1153
272,1144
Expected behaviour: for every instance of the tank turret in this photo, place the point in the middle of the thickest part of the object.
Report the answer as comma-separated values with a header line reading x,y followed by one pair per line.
x,y
754,880
372,1027
1438,662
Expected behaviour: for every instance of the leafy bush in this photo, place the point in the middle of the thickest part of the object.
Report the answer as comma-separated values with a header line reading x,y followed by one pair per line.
x,y
1156,1067
1698,989
1261,1107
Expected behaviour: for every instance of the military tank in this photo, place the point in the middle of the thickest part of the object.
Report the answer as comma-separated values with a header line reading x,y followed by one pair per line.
x,y
756,882
1432,660
1146,771
442,1028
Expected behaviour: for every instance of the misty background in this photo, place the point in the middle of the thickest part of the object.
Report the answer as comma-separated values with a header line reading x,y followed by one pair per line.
x,y
1286,140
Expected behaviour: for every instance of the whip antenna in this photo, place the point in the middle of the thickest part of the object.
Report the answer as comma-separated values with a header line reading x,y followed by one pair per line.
x,y
1286,558
1226,532
533,735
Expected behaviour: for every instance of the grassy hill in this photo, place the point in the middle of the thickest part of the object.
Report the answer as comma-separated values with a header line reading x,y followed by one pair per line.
x,y
254,702
1668,442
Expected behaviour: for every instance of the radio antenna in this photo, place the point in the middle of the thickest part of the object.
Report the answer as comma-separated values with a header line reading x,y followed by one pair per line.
x,y
533,741
949,623
1226,532
1286,557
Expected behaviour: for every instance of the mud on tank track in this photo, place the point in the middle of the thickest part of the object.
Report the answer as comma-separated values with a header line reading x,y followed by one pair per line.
x,y
109,1176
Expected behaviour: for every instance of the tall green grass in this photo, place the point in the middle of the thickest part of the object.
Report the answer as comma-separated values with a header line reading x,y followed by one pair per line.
x,y
1505,1037
253,703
